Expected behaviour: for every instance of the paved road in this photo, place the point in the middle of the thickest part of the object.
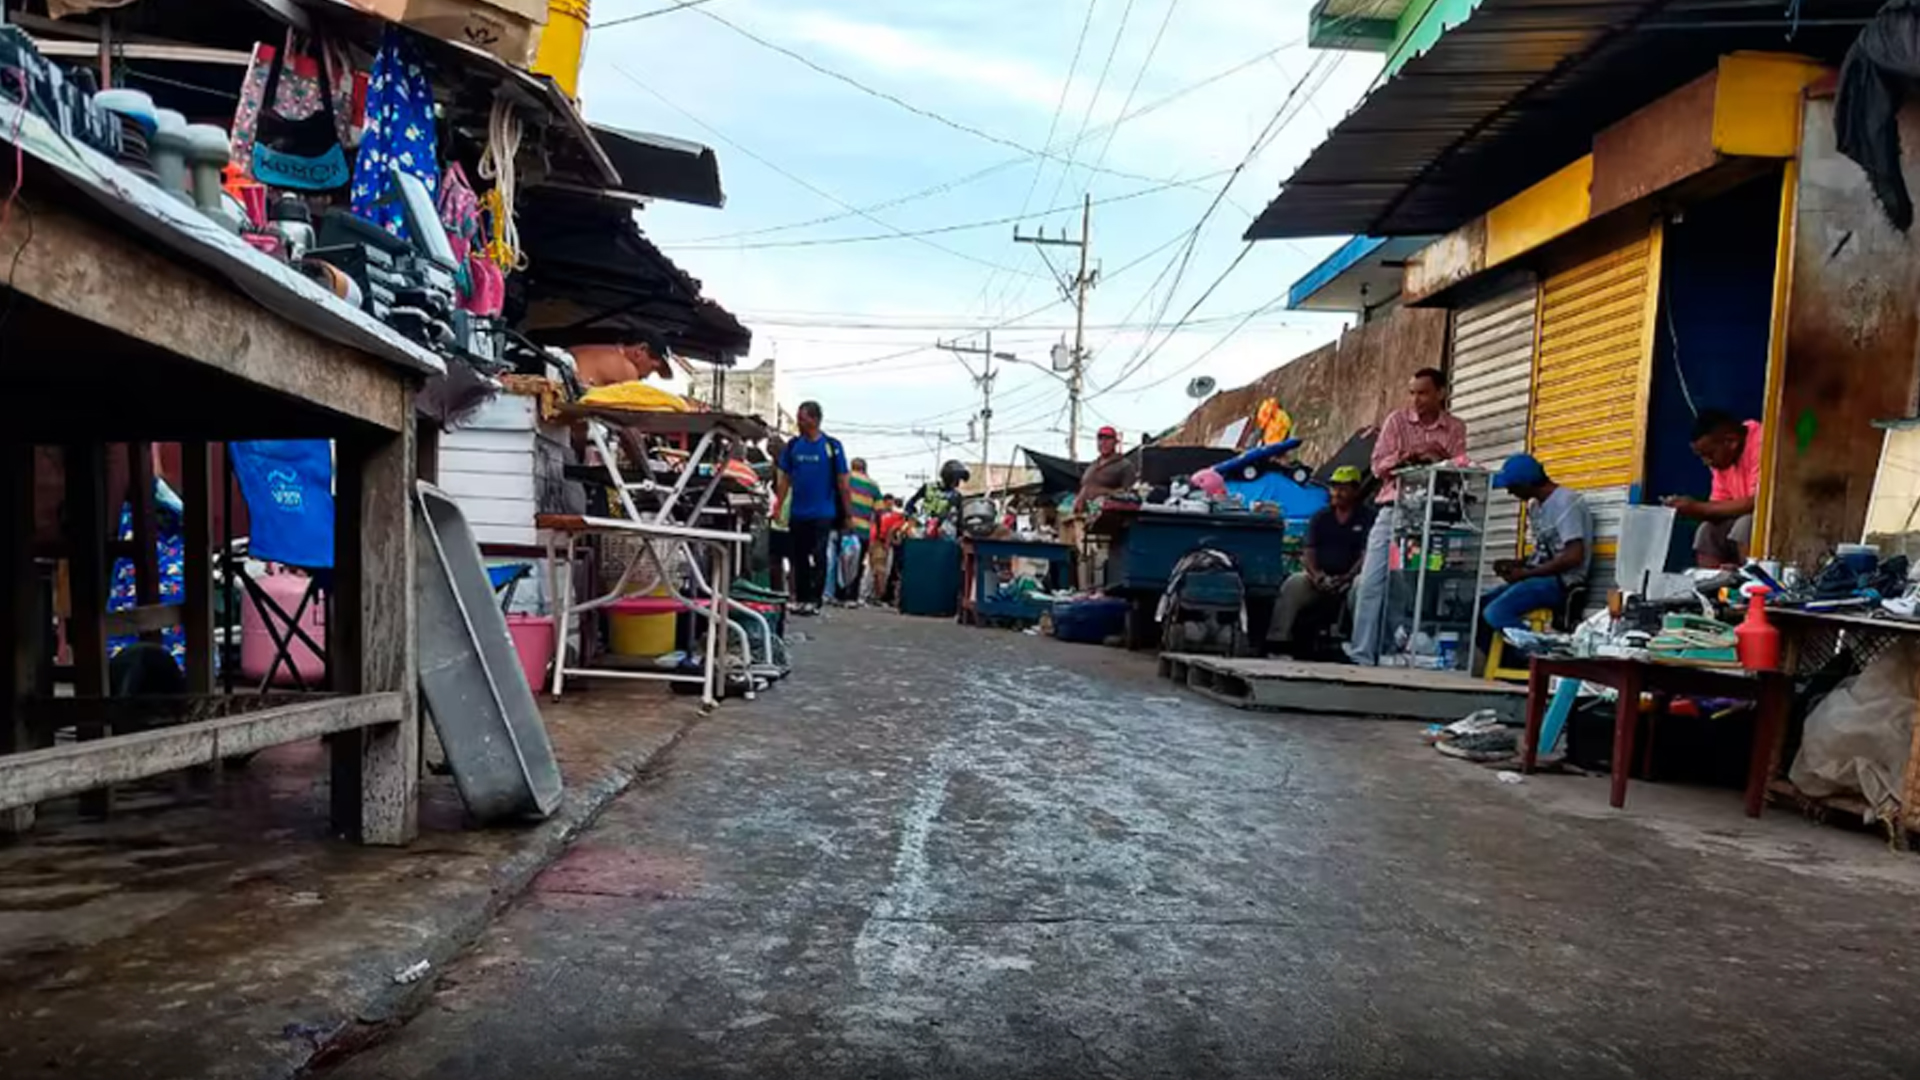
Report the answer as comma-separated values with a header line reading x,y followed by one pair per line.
x,y
944,852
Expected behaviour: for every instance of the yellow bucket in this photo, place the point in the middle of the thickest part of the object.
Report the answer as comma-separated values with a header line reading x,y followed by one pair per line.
x,y
642,626
563,44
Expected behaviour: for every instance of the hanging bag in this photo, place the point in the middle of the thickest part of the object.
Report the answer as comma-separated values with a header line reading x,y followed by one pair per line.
x,y
296,141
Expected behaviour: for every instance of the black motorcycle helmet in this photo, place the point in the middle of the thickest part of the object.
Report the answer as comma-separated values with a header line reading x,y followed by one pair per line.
x,y
953,474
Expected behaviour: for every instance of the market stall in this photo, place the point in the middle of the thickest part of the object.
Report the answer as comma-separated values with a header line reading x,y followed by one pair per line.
x,y
131,317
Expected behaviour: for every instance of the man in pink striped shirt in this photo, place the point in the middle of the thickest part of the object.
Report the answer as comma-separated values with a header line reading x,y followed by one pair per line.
x,y
1423,433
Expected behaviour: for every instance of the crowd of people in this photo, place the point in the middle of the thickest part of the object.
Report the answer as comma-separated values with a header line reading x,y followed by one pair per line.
x,y
1346,550
834,532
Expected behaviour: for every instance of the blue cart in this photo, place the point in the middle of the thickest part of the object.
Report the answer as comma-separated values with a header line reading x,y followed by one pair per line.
x,y
983,605
1144,545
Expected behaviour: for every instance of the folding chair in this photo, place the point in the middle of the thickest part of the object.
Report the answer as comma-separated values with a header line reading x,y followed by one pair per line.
x,y
288,486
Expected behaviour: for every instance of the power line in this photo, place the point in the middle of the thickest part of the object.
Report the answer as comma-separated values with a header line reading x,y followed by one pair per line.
x,y
827,241
668,9
809,185
1140,76
942,188
1099,85
1211,349
900,102
1245,250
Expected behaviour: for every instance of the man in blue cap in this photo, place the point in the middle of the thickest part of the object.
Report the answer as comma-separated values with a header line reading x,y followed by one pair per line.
x,y
1561,528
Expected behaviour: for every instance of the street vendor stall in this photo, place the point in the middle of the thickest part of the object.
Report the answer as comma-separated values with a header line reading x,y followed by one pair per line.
x,y
1145,544
131,317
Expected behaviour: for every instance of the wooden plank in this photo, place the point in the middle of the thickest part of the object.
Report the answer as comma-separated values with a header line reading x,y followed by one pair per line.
x,y
487,442
502,489
86,536
130,714
143,621
25,629
372,637
91,271
1293,686
196,468
460,459
40,775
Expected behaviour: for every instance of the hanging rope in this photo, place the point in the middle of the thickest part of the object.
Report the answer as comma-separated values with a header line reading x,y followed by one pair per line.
x,y
497,164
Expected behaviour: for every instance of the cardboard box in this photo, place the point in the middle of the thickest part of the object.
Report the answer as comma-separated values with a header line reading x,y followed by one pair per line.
x,y
508,29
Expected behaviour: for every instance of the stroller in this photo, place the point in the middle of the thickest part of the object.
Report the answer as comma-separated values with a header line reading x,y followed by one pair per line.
x,y
1204,609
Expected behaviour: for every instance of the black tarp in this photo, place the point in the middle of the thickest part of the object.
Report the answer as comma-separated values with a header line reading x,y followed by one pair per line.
x,y
1879,69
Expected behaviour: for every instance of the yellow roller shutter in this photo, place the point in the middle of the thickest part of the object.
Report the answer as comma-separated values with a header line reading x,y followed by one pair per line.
x,y
1590,370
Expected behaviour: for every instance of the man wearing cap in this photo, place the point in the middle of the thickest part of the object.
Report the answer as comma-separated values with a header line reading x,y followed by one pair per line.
x,y
1560,526
1423,433
1111,472
1335,550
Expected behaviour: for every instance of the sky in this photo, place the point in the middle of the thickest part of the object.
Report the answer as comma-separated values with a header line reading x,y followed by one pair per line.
x,y
1020,130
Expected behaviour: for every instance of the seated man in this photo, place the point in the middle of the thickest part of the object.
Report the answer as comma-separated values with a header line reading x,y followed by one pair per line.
x,y
1561,528
1731,450
1336,547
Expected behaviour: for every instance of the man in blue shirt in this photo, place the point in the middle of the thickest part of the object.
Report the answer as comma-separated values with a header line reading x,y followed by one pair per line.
x,y
812,487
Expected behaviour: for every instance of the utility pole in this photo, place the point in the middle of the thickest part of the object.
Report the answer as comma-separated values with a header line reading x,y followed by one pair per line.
x,y
984,380
1076,290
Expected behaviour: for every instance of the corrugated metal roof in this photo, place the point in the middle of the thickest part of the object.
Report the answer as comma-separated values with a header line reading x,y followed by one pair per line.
x,y
1513,93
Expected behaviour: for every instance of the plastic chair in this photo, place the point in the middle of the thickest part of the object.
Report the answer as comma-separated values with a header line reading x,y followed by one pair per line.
x,y
1540,620
288,487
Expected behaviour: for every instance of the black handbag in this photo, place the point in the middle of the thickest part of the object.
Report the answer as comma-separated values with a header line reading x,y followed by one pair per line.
x,y
302,154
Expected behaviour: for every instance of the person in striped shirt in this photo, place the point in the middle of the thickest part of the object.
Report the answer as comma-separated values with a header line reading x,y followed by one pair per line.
x,y
865,495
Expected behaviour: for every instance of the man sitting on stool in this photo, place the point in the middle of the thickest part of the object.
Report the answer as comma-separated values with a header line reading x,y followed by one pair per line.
x,y
1561,528
1336,547
1731,450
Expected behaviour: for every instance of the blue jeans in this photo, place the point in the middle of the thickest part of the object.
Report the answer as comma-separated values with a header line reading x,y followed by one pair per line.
x,y
1506,607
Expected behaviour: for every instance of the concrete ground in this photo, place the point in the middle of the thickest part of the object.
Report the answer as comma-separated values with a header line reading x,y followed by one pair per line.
x,y
219,932
962,853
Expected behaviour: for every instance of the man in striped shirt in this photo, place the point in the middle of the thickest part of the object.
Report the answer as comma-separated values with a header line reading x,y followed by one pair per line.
x,y
1423,433
865,495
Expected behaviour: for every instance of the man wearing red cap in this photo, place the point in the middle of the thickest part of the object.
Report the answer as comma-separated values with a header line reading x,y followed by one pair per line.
x,y
1110,473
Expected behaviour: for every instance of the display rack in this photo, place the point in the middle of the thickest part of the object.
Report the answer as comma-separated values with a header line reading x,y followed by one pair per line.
x,y
1433,567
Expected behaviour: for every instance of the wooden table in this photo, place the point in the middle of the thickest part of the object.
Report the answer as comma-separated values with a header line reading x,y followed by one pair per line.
x,y
130,318
1771,691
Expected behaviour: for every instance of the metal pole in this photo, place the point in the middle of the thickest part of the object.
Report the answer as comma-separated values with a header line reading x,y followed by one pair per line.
x,y
986,416
1081,284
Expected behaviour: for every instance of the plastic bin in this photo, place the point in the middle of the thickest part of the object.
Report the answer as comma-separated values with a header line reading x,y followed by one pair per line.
x,y
1090,622
533,640
642,626
930,578
256,644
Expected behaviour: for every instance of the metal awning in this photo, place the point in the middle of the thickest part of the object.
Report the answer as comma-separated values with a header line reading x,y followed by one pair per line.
x,y
663,167
1516,91
593,277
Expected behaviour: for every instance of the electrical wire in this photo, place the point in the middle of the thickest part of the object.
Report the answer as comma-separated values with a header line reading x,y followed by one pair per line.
x,y
1140,76
898,101
809,185
668,9
1009,163
937,230
1100,84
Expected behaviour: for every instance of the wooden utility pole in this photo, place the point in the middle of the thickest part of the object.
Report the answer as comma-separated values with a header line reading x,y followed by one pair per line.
x,y
1075,289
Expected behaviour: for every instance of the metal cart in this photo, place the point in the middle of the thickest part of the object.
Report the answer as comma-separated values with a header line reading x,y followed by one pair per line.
x,y
1433,568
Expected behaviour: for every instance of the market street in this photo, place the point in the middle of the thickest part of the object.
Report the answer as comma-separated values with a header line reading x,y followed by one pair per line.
x,y
948,852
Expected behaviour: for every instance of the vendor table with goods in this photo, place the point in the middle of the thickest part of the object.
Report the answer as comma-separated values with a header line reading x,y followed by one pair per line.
x,y
1630,677
131,319
1143,545
984,601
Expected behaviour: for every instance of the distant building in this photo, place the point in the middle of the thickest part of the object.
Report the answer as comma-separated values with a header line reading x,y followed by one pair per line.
x,y
747,393
1003,476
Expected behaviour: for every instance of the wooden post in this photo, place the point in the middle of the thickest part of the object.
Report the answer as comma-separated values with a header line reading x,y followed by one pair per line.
x,y
372,638
26,620
196,495
146,560
86,543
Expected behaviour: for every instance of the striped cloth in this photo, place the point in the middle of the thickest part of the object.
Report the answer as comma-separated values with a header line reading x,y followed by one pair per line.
x,y
866,496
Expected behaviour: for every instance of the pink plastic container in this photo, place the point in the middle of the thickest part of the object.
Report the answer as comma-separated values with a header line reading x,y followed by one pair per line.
x,y
533,640
256,645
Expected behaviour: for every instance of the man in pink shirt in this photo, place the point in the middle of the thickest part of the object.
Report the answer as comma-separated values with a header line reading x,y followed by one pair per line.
x,y
1423,433
1731,450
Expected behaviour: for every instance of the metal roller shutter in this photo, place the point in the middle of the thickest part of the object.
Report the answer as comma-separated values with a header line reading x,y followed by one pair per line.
x,y
1492,383
1590,376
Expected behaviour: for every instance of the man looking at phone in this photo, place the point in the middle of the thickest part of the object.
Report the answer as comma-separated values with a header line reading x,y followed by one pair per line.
x,y
1560,526
1423,433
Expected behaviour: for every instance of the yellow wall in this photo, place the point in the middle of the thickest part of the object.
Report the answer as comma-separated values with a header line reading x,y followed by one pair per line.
x,y
1553,207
